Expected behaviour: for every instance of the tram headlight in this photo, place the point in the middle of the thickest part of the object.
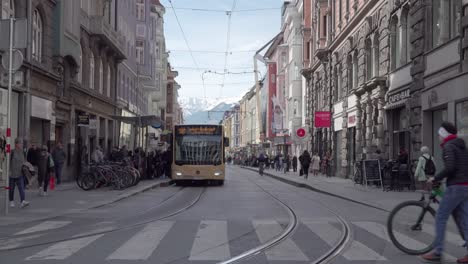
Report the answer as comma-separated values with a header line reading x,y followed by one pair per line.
x,y
218,173
178,174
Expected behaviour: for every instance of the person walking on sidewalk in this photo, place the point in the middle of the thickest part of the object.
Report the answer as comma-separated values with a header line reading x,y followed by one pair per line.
x,y
45,168
315,164
59,157
425,168
16,176
305,163
455,199
294,163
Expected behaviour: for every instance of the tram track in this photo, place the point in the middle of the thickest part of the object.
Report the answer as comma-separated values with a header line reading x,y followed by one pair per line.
x,y
335,251
186,207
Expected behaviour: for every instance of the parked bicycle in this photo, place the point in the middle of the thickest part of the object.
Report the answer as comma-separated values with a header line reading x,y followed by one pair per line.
x,y
411,222
357,175
117,175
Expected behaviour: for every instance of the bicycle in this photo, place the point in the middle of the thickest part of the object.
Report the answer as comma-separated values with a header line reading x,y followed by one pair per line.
x,y
417,225
357,175
261,166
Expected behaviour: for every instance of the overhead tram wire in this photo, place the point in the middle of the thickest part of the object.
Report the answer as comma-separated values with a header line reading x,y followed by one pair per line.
x,y
187,44
228,40
224,11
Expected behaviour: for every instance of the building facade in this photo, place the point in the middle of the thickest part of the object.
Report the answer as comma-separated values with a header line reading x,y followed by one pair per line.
x,y
380,75
80,73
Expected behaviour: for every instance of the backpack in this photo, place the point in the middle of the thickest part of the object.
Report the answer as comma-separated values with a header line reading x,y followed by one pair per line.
x,y
430,168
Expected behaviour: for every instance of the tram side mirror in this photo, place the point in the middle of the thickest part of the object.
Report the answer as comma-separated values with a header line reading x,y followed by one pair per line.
x,y
226,142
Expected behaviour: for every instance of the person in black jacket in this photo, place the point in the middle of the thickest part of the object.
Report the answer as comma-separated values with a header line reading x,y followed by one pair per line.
x,y
294,163
305,160
455,199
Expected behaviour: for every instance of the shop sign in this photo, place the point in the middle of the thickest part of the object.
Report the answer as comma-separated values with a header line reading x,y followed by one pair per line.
x,y
41,108
338,124
394,98
83,120
322,119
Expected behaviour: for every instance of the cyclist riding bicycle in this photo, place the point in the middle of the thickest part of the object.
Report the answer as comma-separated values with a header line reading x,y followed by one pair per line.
x,y
455,156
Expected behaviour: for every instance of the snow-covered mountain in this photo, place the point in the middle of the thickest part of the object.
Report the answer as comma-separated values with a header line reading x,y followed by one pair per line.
x,y
197,110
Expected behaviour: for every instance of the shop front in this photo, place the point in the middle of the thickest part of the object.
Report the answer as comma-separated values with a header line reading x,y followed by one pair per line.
x,y
42,122
3,123
398,114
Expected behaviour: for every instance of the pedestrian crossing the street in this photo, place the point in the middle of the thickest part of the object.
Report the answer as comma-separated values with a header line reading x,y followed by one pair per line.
x,y
210,241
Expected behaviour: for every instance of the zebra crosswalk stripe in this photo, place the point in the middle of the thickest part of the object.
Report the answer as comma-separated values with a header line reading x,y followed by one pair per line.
x,y
380,231
211,242
286,250
331,235
63,250
142,245
44,226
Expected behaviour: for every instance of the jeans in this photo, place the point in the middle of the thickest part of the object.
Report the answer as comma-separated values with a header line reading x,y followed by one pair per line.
x,y
58,172
455,198
13,183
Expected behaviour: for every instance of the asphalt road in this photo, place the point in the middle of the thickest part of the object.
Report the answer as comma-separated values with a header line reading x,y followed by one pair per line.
x,y
205,224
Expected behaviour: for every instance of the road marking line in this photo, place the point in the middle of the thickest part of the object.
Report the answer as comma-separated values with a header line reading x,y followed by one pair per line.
x,y
211,241
142,245
63,250
331,235
380,231
16,242
47,225
286,250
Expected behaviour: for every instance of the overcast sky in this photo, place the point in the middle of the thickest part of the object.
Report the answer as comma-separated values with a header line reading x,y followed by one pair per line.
x,y
207,31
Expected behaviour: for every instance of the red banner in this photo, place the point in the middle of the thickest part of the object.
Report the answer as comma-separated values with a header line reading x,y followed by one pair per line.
x,y
271,94
322,119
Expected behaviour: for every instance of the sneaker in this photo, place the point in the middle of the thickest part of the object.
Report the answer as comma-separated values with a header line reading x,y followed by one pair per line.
x,y
432,257
24,203
12,204
44,194
40,192
463,260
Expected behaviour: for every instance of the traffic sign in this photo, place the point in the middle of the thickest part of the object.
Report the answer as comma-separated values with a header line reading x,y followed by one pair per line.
x,y
17,60
301,132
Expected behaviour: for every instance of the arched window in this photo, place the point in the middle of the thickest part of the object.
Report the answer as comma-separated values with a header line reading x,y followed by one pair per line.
x,y
8,8
91,70
395,43
406,35
37,36
376,51
108,81
369,60
101,77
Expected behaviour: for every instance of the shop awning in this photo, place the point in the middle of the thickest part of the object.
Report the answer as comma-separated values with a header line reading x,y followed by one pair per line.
x,y
142,121
395,105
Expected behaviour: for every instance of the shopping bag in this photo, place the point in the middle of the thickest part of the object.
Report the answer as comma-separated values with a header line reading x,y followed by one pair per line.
x,y
52,183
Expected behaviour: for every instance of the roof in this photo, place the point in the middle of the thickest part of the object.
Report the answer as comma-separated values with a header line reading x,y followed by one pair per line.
x,y
156,2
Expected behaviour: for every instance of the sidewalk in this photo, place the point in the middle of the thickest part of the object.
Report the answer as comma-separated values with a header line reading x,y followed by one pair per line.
x,y
68,198
345,189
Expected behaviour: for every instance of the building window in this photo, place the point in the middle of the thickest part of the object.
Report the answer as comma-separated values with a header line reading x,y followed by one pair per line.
x,y
445,20
79,76
101,77
91,70
376,51
8,8
340,10
140,8
395,42
140,52
108,81
324,18
339,86
369,60
355,69
37,36
308,50
349,66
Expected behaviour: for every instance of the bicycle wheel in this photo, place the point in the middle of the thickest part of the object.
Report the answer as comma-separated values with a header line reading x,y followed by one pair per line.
x,y
411,227
87,182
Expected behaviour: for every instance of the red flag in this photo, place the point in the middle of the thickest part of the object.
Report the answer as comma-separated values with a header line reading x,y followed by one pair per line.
x,y
52,183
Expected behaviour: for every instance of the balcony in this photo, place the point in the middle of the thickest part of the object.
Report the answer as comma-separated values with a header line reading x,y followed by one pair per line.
x,y
98,26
